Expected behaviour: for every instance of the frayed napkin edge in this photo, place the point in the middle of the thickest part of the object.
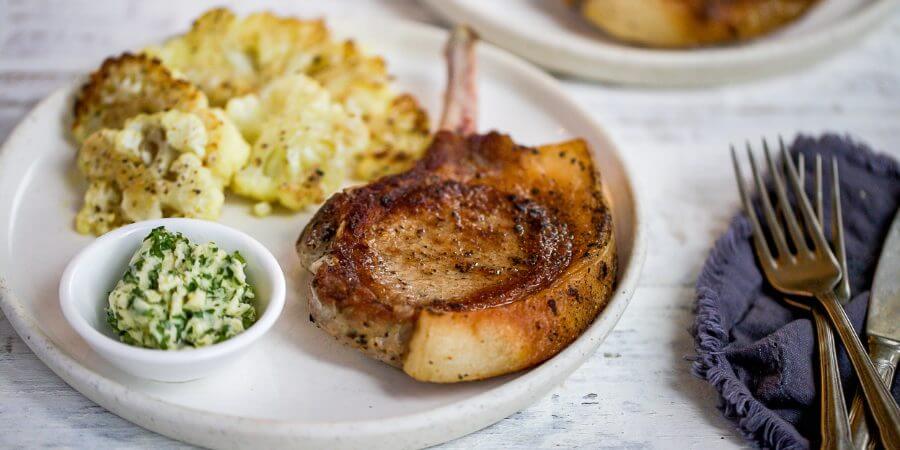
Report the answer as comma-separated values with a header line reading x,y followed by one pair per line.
x,y
755,422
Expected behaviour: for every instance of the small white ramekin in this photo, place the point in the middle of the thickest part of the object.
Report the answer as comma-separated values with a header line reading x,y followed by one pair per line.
x,y
93,273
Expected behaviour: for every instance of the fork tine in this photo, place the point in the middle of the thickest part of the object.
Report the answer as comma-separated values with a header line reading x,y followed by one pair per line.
x,y
759,239
817,183
837,232
768,211
783,203
812,225
801,164
820,207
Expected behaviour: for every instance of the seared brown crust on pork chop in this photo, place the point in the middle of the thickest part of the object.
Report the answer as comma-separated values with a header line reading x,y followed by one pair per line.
x,y
486,258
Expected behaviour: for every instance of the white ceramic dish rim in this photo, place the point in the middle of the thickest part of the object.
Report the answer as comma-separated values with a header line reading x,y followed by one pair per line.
x,y
576,53
95,338
123,401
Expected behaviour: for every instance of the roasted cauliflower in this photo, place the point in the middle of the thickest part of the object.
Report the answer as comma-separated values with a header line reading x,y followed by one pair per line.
x,y
302,111
229,57
226,149
302,142
398,137
398,127
150,168
126,86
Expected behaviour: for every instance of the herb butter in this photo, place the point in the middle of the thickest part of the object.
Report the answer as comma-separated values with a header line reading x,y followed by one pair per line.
x,y
176,294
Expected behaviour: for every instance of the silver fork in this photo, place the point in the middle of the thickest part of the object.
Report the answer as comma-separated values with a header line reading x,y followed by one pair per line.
x,y
814,271
834,424
834,420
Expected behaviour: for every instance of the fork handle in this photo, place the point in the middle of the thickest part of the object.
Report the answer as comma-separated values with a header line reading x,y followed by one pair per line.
x,y
834,425
885,353
882,406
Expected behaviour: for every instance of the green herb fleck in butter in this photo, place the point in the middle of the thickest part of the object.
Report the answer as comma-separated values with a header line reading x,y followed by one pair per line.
x,y
176,294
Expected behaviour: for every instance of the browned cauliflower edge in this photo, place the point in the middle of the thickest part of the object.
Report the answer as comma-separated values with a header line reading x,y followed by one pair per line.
x,y
128,85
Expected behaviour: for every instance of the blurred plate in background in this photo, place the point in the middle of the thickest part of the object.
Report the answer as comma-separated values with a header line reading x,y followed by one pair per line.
x,y
554,36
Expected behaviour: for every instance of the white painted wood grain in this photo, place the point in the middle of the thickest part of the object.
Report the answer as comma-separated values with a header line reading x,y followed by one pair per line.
x,y
636,391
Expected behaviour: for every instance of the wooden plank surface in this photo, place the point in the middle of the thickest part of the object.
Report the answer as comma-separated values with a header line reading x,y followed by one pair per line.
x,y
636,391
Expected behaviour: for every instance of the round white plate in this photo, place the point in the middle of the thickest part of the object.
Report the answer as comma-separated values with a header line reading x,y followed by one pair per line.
x,y
296,387
554,36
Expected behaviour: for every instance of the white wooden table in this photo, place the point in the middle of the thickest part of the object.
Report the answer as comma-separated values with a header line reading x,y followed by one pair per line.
x,y
636,391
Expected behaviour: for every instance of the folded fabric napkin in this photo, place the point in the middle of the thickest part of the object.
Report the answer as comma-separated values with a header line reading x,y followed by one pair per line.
x,y
758,352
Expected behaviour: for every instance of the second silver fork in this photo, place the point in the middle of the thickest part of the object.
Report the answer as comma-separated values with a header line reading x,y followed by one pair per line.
x,y
834,420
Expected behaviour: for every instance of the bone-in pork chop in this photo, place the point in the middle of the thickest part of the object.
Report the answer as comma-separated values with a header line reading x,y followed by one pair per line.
x,y
485,258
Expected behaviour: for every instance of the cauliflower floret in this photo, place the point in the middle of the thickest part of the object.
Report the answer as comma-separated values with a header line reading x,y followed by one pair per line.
x,y
126,86
228,57
150,168
283,45
302,142
100,212
227,151
194,192
187,189
400,134
245,112
398,126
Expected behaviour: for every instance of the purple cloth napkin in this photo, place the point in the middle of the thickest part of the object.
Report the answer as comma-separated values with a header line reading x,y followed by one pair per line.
x,y
758,352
